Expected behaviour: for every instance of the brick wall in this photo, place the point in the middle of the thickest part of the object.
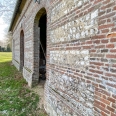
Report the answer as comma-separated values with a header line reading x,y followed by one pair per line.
x,y
81,55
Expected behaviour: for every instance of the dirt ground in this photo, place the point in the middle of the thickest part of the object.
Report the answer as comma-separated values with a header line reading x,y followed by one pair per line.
x,y
39,89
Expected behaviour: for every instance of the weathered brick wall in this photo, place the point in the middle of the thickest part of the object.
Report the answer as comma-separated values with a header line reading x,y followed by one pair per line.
x,y
81,55
16,49
21,25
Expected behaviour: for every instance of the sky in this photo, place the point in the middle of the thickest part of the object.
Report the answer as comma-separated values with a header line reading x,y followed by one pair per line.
x,y
4,25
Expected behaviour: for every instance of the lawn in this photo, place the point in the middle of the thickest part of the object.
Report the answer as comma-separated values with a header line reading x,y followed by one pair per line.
x,y
16,99
5,57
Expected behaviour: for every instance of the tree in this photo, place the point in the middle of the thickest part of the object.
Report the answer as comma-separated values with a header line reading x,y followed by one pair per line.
x,y
6,12
0,49
8,48
6,9
9,38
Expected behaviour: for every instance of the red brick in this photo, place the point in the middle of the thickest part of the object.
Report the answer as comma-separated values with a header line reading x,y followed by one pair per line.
x,y
97,1
114,8
112,114
113,50
104,96
110,46
103,105
97,93
95,84
100,46
105,30
86,47
113,29
110,74
106,1
111,99
97,102
99,37
97,63
89,42
113,40
106,26
102,22
111,35
110,109
111,4
106,93
96,71
103,109
104,41
111,56
92,50
103,114
97,41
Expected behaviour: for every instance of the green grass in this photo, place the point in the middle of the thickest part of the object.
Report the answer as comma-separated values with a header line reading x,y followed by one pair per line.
x,y
15,97
5,56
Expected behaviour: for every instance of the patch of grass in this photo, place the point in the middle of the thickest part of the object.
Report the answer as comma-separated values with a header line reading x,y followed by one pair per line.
x,y
16,99
5,56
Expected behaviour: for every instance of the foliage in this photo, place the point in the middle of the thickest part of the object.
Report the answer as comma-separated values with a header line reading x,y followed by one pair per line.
x,y
3,49
16,99
6,9
8,48
0,48
9,41
6,12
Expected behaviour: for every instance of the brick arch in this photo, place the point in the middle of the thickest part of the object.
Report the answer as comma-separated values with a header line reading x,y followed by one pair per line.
x,y
21,50
35,77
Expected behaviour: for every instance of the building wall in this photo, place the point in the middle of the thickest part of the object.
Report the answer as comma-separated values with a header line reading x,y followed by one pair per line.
x,y
81,55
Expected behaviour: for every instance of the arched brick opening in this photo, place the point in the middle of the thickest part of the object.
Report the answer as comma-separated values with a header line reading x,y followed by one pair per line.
x,y
21,50
39,40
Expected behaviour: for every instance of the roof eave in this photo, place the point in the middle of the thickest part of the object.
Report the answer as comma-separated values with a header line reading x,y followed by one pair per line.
x,y
18,3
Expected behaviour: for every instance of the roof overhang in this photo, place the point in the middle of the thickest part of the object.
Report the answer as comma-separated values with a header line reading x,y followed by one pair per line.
x,y
18,8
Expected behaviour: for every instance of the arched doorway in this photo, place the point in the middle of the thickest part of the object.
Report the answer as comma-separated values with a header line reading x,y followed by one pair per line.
x,y
40,43
42,48
40,26
21,50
